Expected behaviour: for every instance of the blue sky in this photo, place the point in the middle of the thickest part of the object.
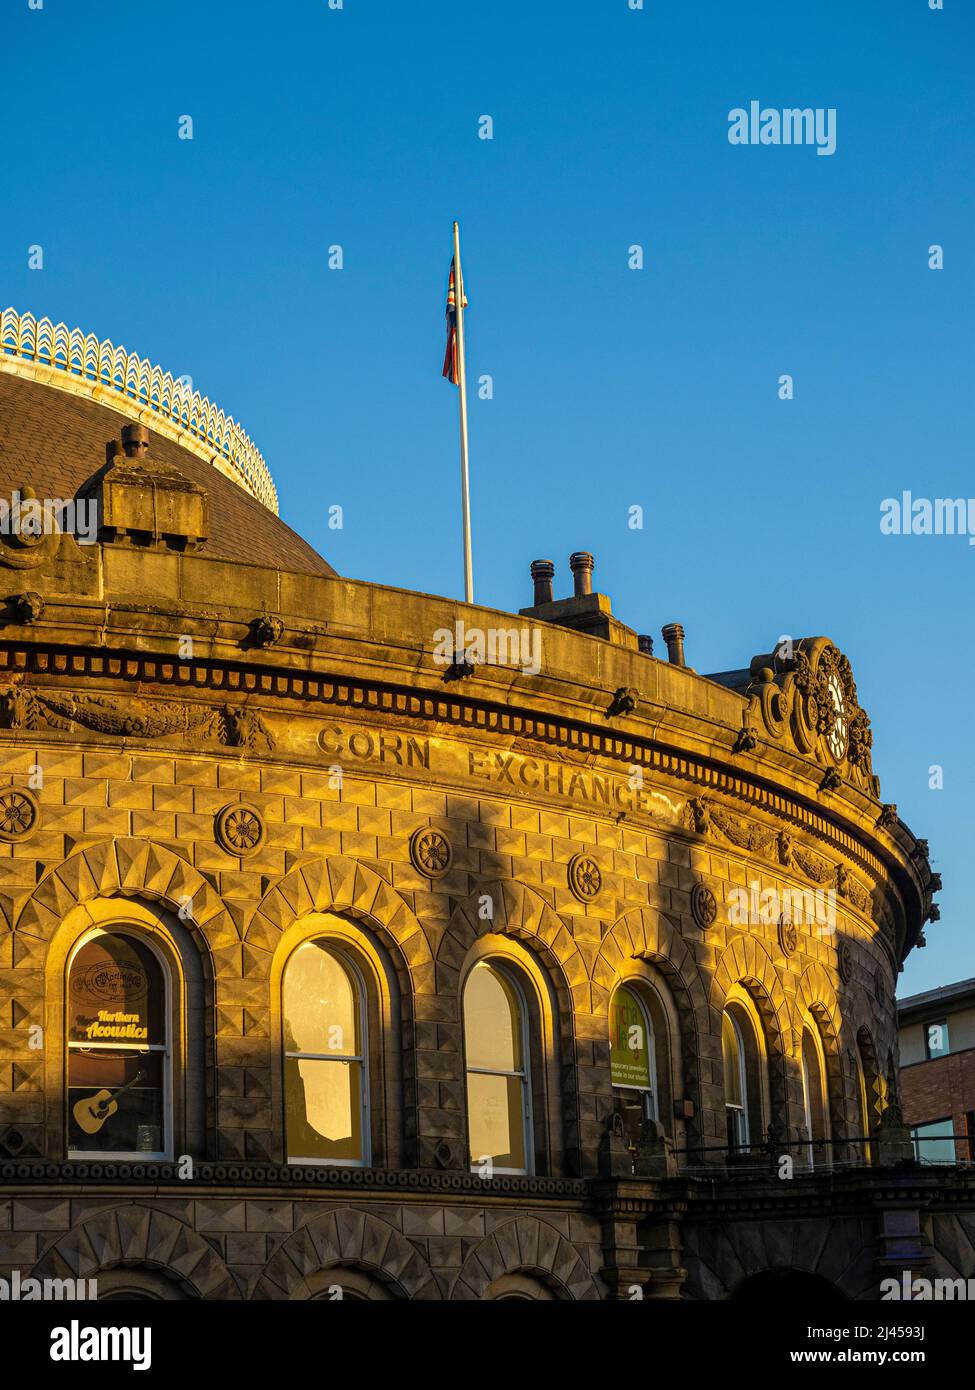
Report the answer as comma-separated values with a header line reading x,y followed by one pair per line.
x,y
612,387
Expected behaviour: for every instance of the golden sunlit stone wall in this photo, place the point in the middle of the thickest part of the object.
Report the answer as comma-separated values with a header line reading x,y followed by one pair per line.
x,y
336,802
309,767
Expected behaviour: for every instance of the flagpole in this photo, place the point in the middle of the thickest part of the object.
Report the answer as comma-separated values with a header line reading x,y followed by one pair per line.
x,y
465,487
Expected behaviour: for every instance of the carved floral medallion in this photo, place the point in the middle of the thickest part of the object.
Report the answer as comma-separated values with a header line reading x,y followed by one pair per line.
x,y
845,962
240,829
585,877
704,905
19,813
788,937
430,851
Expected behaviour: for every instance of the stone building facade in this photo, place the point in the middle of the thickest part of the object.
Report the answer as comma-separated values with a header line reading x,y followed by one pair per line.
x,y
218,752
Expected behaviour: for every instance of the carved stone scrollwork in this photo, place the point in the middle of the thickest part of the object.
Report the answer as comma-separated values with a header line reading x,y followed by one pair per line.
x,y
32,533
771,704
233,726
819,870
808,691
585,877
239,829
743,833
19,813
888,816
698,815
430,851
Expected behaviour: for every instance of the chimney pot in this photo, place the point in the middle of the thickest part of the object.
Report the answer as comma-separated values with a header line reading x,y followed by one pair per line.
x,y
135,440
582,564
645,643
673,635
543,572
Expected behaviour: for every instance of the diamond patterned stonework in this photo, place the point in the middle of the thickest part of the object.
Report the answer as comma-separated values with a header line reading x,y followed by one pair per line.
x,y
243,755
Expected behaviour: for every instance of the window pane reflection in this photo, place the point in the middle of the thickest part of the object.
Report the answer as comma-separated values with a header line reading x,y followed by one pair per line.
x,y
324,1069
497,1082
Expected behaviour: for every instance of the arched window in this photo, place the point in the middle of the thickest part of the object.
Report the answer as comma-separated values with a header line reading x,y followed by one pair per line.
x,y
119,1072
325,1077
735,1082
632,1052
498,1069
814,1096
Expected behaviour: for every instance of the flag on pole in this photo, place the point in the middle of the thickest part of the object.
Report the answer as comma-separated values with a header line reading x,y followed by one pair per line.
x,y
450,367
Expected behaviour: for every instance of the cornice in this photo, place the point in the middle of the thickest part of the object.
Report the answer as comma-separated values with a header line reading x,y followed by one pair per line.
x,y
243,686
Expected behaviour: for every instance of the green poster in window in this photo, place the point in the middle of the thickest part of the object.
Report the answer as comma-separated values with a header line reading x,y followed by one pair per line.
x,y
629,1041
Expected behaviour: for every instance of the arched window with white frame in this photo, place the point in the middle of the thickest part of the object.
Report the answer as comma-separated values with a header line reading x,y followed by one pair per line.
x,y
498,1070
119,1049
735,1082
326,1081
814,1095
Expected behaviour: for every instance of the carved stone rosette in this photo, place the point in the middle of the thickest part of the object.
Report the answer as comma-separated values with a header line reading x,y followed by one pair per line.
x,y
585,877
788,937
430,851
19,813
704,906
845,962
240,829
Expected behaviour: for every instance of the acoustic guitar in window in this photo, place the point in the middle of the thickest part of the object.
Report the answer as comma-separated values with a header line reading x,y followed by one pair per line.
x,y
92,1112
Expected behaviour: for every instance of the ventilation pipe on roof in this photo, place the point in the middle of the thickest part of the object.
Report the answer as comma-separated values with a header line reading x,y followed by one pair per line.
x,y
673,635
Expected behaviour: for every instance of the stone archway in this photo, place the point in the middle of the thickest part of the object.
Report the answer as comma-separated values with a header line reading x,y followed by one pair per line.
x,y
133,1236
348,888
745,961
517,910
345,886
132,868
509,908
816,996
346,1238
525,1245
644,933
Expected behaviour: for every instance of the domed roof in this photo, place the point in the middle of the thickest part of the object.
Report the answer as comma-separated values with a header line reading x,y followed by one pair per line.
x,y
55,420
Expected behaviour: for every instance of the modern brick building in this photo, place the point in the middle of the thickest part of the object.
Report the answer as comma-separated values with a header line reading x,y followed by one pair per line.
x,y
344,949
937,1071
